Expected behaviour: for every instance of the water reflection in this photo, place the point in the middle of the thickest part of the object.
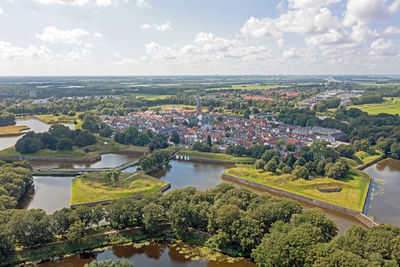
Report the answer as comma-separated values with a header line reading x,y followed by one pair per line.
x,y
110,160
154,254
384,195
200,175
33,124
49,194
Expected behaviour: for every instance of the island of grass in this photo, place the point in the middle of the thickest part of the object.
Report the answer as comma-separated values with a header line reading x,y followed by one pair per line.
x,y
53,119
103,145
215,157
92,187
389,106
12,130
352,194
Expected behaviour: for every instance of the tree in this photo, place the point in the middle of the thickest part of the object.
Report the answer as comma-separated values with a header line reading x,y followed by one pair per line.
x,y
107,175
27,145
61,221
105,130
209,141
151,217
115,176
64,144
338,170
175,138
290,160
317,218
346,151
181,216
300,173
271,166
395,150
59,131
247,232
84,138
6,244
76,231
286,169
291,147
269,154
259,164
31,227
123,213
91,122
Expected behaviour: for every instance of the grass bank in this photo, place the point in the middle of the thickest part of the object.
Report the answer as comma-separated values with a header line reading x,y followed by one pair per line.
x,y
354,187
389,106
12,130
91,187
52,119
215,156
104,145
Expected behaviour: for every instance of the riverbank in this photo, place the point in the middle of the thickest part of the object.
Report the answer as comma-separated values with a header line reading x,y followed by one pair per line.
x,y
13,130
88,154
90,189
319,203
103,237
207,157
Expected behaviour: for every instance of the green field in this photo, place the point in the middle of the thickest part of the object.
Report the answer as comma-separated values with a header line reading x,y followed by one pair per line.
x,y
91,187
352,196
389,106
251,87
12,130
51,119
389,84
152,97
186,107
215,156
364,157
104,145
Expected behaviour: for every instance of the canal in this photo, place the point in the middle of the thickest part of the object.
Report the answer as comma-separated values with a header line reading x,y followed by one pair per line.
x,y
384,195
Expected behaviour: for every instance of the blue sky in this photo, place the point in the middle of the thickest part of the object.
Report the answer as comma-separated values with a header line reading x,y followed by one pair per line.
x,y
197,37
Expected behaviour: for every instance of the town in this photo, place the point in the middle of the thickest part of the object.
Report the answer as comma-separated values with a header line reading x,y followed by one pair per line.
x,y
195,126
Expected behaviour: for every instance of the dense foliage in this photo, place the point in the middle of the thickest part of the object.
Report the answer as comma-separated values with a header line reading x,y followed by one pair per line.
x,y
15,178
59,137
6,119
133,136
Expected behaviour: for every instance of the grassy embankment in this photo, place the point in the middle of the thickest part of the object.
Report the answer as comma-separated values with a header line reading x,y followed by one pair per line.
x,y
183,107
52,119
352,196
12,130
389,106
215,156
104,145
91,187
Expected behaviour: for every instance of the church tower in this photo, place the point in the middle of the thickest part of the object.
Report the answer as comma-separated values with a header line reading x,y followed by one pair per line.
x,y
198,107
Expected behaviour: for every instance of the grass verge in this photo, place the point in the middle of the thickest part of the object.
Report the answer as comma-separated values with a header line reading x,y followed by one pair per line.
x,y
104,145
91,187
352,196
12,130
215,156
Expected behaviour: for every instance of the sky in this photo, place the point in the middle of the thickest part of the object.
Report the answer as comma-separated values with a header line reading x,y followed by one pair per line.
x,y
199,37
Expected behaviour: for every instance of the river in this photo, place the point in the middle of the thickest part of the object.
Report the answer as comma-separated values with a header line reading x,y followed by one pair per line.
x,y
156,254
384,195
33,124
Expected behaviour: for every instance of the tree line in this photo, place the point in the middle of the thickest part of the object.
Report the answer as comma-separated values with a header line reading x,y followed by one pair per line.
x,y
272,231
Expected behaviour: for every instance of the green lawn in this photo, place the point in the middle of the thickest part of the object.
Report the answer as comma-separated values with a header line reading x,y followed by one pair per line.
x,y
362,157
104,145
215,156
389,106
91,187
50,118
352,195
12,130
389,84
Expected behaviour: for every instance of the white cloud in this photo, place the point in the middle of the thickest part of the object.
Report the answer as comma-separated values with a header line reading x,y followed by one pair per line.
x,y
392,30
310,3
369,10
206,47
381,48
79,2
158,27
281,42
291,53
54,35
1,11
97,35
143,3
